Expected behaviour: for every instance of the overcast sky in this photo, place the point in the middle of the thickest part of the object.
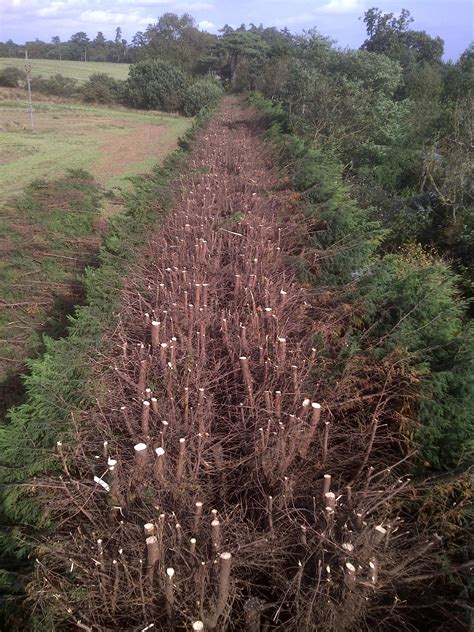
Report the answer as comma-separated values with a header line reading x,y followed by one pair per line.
x,y
21,20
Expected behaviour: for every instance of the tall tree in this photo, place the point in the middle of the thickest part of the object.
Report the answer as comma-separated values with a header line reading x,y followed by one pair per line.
x,y
78,45
238,55
390,35
99,39
177,39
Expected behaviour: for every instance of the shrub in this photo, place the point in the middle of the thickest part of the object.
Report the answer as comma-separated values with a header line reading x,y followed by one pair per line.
x,y
201,94
155,84
59,382
102,88
10,77
410,301
352,234
57,85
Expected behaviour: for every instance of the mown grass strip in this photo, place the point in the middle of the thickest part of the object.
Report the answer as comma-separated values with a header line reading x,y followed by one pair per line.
x,y
110,143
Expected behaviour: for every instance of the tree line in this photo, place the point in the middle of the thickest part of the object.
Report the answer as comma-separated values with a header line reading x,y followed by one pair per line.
x,y
170,32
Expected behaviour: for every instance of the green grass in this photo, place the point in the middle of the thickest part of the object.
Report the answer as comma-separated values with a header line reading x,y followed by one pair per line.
x,y
48,226
81,136
78,70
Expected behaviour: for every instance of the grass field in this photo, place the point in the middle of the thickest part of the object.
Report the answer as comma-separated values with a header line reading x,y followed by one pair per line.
x,y
51,218
110,143
78,70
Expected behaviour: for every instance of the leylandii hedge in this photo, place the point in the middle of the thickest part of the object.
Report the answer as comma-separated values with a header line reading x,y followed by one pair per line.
x,y
405,306
407,301
59,382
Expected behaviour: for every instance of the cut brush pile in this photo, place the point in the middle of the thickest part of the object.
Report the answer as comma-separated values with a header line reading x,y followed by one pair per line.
x,y
224,480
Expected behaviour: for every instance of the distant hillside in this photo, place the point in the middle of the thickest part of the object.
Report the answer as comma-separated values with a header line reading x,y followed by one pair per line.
x,y
78,70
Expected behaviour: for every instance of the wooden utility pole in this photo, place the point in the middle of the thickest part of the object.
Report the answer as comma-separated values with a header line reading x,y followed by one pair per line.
x,y
28,83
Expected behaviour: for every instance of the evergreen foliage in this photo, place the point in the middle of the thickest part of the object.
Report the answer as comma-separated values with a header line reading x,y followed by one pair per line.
x,y
351,234
407,307
40,277
410,301
156,85
61,381
201,94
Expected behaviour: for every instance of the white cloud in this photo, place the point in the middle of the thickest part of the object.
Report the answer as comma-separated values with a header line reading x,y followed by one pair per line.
x,y
146,3
332,7
53,9
22,7
342,6
171,5
195,6
17,4
301,18
205,25
109,17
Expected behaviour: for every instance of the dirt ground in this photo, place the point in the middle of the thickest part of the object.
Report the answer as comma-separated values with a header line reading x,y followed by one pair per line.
x,y
141,143
110,143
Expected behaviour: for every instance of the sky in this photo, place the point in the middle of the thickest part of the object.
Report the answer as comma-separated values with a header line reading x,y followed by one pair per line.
x,y
22,20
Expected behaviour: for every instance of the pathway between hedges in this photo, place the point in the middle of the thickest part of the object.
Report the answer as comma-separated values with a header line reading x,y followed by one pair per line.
x,y
203,506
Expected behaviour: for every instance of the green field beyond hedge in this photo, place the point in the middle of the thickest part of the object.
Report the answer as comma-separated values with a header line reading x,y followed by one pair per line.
x,y
79,70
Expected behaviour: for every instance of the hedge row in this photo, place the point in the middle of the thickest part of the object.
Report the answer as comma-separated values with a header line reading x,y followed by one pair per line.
x,y
408,301
405,306
151,85
59,382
